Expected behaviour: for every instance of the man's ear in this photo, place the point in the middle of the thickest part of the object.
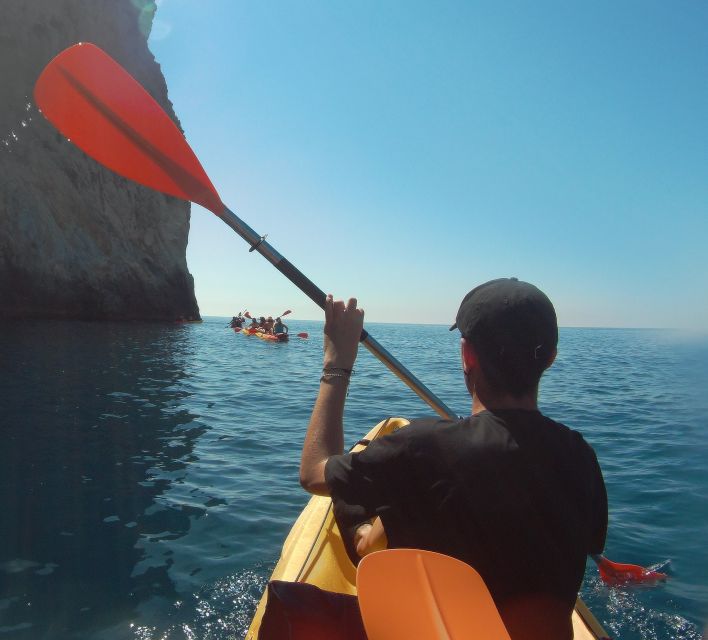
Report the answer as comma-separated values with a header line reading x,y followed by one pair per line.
x,y
469,357
552,357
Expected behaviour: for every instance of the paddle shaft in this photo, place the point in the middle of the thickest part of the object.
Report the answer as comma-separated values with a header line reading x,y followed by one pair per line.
x,y
312,291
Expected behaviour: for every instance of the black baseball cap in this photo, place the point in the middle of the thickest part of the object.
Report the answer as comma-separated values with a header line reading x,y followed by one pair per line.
x,y
509,316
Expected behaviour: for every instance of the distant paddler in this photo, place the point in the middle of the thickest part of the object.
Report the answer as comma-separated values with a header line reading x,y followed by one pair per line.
x,y
268,325
279,326
237,321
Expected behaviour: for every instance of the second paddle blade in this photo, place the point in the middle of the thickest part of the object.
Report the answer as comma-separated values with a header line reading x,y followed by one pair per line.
x,y
104,111
618,573
409,593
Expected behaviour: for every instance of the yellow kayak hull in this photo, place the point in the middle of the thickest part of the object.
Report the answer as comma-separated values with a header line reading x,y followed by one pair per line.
x,y
314,553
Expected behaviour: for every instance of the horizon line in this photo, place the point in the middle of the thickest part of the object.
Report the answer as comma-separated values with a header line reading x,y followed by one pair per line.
x,y
441,324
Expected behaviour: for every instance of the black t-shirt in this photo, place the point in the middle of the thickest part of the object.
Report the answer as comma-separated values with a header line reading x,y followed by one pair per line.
x,y
512,493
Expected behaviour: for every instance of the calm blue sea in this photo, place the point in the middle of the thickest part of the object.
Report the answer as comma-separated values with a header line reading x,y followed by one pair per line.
x,y
148,473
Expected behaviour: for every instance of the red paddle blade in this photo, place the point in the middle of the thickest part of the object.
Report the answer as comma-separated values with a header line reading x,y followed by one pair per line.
x,y
104,111
247,314
285,313
616,573
304,334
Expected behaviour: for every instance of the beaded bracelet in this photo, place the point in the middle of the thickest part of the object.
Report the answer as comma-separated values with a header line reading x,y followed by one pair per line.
x,y
330,373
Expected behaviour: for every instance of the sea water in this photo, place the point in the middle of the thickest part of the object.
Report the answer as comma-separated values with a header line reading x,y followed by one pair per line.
x,y
149,473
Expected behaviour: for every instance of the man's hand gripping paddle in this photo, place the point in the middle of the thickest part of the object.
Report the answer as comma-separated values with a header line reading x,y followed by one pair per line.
x,y
104,111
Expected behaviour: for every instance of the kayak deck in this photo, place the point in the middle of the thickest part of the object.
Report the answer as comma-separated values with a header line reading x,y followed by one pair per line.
x,y
314,553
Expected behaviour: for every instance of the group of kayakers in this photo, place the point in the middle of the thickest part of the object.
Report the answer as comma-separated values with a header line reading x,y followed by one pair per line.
x,y
265,325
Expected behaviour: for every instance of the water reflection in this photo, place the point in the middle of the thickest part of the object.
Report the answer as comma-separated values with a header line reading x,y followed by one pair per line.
x,y
94,435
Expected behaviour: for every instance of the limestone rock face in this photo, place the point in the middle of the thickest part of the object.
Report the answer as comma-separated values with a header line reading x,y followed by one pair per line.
x,y
76,240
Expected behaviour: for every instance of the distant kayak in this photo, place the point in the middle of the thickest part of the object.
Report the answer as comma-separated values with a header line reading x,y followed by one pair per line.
x,y
269,337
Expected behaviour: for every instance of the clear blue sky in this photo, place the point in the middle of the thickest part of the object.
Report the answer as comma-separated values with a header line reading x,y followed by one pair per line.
x,y
403,152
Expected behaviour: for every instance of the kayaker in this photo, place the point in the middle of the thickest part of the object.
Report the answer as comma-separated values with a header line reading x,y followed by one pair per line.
x,y
511,492
280,327
268,325
236,322
254,325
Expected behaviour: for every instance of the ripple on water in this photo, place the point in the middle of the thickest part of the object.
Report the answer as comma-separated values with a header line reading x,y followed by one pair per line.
x,y
220,610
635,613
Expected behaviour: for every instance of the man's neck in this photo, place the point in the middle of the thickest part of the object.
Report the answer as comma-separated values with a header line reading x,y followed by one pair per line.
x,y
504,401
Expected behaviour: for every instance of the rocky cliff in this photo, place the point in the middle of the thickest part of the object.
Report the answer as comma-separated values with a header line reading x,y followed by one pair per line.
x,y
76,240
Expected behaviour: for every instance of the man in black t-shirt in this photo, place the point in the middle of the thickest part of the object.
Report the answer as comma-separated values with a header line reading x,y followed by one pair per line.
x,y
509,491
